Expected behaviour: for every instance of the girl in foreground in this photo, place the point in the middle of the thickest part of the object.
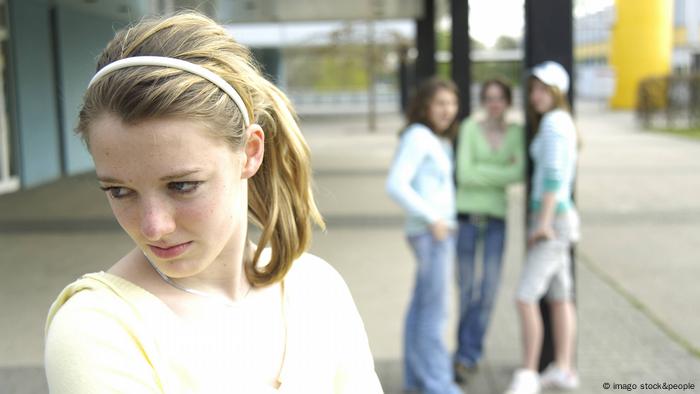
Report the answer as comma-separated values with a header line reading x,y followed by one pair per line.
x,y
190,142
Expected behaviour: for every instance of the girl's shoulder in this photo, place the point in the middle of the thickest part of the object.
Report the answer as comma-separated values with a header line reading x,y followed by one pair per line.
x,y
95,293
311,271
94,338
88,315
471,123
557,121
316,285
557,116
417,131
418,137
469,127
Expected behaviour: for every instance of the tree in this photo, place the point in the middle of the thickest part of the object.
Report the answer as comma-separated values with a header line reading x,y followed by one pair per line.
x,y
444,42
476,44
505,42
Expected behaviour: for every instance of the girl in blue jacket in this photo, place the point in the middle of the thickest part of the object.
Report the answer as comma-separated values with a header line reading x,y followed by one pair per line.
x,y
421,181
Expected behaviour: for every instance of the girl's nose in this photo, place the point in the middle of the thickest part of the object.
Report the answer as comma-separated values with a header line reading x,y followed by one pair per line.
x,y
157,220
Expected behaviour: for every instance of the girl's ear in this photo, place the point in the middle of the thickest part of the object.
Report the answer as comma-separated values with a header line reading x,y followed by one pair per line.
x,y
254,151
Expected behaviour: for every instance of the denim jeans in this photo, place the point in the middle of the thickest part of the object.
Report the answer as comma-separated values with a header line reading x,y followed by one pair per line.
x,y
476,297
427,366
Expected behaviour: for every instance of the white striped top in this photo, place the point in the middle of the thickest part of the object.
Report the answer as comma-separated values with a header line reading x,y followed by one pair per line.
x,y
554,153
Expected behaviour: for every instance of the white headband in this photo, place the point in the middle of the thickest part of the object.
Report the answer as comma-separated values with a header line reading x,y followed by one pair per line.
x,y
180,65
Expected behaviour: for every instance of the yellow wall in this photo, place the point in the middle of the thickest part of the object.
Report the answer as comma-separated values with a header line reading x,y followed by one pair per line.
x,y
642,42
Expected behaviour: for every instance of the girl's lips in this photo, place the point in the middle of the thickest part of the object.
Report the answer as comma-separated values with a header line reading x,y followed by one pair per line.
x,y
170,252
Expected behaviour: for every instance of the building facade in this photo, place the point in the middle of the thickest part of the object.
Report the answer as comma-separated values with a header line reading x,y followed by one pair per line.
x,y
618,46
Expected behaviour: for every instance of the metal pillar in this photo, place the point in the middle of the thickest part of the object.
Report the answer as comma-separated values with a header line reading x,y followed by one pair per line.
x,y
371,77
548,36
461,64
406,73
425,42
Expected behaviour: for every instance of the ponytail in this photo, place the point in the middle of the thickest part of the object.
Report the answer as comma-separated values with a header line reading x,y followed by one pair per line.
x,y
280,198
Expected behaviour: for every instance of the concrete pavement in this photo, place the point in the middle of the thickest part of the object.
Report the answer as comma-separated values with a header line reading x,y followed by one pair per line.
x,y
624,337
639,197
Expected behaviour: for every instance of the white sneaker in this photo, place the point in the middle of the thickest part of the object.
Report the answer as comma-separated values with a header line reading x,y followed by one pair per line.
x,y
525,381
555,377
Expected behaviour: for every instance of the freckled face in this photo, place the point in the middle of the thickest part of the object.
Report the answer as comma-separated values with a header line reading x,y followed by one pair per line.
x,y
174,188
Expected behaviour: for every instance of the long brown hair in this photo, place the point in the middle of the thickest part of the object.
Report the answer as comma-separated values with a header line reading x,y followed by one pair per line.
x,y
419,105
280,200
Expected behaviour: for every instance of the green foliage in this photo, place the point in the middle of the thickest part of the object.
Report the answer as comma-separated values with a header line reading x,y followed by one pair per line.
x,y
344,65
511,71
444,70
342,70
482,71
444,42
693,133
505,42
334,68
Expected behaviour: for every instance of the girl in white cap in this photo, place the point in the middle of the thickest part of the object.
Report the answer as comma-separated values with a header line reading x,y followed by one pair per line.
x,y
553,226
190,142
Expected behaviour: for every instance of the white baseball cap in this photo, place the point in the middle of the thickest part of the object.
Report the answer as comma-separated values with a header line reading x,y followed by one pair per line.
x,y
552,74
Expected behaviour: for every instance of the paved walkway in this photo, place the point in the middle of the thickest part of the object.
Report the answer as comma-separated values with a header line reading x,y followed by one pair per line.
x,y
637,274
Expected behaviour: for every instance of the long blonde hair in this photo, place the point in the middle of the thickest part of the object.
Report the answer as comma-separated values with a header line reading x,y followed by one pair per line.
x,y
280,200
560,102
559,98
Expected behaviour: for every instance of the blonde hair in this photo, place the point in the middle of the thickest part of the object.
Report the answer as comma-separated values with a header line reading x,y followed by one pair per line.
x,y
280,200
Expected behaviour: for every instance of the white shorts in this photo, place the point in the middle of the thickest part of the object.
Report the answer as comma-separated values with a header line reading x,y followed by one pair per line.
x,y
547,268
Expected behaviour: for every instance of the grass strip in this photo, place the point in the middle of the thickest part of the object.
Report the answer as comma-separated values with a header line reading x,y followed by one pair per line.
x,y
693,133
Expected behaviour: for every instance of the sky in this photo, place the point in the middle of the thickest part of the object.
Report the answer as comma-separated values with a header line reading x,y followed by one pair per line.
x,y
490,19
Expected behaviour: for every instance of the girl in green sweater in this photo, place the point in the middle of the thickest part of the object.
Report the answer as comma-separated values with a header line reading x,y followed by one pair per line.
x,y
490,156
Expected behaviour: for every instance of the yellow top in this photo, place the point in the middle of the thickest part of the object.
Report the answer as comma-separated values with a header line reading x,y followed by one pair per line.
x,y
105,334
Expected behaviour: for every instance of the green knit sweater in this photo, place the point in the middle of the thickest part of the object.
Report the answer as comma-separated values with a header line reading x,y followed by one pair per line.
x,y
483,173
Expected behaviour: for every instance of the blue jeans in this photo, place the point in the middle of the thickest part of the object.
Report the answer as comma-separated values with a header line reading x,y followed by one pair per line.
x,y
427,364
477,296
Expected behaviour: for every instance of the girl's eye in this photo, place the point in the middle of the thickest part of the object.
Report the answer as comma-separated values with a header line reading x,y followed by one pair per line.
x,y
183,187
116,192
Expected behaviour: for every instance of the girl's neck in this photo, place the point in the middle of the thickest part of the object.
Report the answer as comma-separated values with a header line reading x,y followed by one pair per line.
x,y
497,123
227,280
